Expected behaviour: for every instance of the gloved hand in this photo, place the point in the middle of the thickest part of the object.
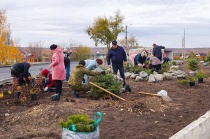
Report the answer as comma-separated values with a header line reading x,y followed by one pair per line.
x,y
140,65
83,80
46,89
103,72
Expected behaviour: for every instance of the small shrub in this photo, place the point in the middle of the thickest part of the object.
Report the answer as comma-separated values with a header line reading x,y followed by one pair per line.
x,y
107,82
80,121
165,67
201,74
187,80
192,64
173,63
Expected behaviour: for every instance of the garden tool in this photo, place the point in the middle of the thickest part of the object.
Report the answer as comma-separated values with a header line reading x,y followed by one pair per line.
x,y
107,91
165,97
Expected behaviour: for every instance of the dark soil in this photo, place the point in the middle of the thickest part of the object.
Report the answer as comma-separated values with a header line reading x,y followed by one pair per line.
x,y
140,117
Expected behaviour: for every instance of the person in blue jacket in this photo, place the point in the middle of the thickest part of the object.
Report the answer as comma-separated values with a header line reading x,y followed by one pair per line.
x,y
91,65
157,51
117,57
140,58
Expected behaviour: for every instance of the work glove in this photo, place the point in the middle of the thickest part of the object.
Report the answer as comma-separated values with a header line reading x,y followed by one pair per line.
x,y
103,72
83,80
46,89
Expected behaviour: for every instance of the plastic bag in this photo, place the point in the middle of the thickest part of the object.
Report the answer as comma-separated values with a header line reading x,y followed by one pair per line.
x,y
68,134
162,93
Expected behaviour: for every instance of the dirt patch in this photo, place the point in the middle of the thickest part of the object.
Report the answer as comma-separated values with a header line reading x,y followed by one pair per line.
x,y
141,116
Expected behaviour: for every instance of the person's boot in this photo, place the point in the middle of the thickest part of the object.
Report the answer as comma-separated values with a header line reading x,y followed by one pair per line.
x,y
55,97
75,94
124,84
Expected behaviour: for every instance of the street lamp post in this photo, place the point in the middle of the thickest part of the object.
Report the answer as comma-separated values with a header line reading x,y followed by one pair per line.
x,y
126,38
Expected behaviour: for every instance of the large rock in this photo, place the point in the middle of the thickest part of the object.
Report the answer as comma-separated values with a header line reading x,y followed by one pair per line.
x,y
174,68
168,76
128,75
158,77
151,78
139,78
133,76
143,74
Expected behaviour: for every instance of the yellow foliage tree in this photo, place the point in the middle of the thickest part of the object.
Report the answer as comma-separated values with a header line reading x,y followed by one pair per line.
x,y
8,53
81,53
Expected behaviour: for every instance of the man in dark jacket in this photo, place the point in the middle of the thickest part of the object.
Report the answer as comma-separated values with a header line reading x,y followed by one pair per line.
x,y
20,71
157,51
118,57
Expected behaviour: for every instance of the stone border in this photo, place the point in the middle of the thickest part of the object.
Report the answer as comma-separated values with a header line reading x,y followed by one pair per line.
x,y
198,129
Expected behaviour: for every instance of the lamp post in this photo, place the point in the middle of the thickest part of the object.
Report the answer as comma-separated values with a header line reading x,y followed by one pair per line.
x,y
126,38
8,43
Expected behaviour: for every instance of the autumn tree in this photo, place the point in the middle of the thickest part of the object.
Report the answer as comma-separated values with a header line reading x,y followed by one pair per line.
x,y
104,29
132,43
9,53
81,53
36,48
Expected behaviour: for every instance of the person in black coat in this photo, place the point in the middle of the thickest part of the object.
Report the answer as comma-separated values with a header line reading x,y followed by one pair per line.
x,y
166,59
157,51
21,72
67,62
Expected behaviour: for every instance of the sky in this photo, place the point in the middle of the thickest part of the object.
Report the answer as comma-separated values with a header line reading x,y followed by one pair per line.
x,y
150,21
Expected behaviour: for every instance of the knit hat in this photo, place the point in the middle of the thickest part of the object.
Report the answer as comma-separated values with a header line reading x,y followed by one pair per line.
x,y
114,42
53,47
99,61
45,72
82,62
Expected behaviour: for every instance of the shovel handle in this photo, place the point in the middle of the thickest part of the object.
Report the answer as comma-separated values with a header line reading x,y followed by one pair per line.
x,y
151,94
107,91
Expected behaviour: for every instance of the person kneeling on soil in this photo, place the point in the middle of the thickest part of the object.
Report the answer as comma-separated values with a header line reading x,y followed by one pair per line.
x,y
76,78
91,65
49,82
20,71
140,58
155,63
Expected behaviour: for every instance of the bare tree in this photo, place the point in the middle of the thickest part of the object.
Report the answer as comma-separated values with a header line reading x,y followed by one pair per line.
x,y
36,48
132,43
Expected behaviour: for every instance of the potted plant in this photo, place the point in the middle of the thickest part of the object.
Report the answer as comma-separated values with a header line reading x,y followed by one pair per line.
x,y
188,80
33,94
200,75
191,80
79,126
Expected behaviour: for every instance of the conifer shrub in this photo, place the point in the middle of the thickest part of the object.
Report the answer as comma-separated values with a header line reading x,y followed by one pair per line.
x,y
107,82
80,121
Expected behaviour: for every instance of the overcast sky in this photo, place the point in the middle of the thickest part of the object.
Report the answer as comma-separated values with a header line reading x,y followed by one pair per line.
x,y
150,21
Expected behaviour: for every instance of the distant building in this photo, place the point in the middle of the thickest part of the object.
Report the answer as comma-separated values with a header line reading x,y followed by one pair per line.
x,y
201,56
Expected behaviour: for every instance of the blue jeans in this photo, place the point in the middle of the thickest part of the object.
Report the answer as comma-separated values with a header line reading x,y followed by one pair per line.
x,y
67,72
119,67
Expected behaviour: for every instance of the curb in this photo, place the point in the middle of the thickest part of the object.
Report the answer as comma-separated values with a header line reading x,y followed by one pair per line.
x,y
38,63
198,129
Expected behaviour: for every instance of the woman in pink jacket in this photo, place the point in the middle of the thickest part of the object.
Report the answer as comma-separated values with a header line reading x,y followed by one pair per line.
x,y
58,69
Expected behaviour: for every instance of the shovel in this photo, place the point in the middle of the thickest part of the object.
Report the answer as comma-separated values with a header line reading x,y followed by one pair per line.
x,y
107,91
165,97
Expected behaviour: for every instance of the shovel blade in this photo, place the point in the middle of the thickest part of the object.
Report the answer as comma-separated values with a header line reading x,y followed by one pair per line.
x,y
166,98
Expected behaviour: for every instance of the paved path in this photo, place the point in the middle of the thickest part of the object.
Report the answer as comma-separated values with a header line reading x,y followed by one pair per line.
x,y
34,70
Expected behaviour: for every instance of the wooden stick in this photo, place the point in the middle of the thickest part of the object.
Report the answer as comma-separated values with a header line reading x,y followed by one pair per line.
x,y
151,94
107,91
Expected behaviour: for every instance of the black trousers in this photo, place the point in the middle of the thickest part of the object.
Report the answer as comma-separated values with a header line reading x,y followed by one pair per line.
x,y
119,67
58,86
157,67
